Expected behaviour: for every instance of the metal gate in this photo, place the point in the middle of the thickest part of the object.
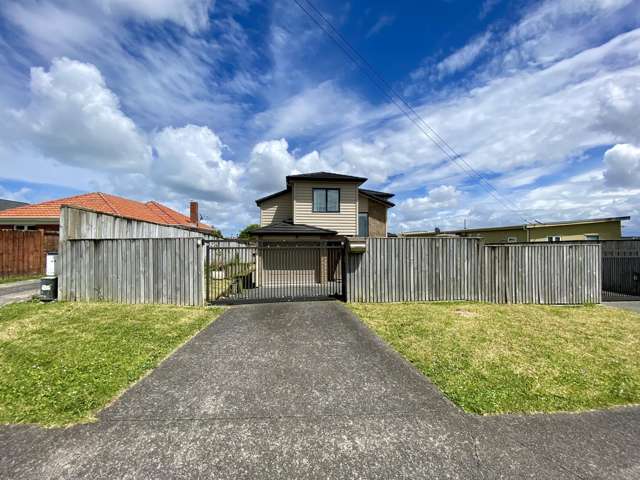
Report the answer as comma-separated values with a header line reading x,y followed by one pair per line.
x,y
620,270
269,271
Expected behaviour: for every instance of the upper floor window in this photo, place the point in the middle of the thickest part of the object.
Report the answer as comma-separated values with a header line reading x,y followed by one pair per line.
x,y
553,238
363,224
592,237
326,200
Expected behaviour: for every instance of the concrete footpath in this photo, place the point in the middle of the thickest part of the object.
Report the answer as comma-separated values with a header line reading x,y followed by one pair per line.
x,y
18,291
305,390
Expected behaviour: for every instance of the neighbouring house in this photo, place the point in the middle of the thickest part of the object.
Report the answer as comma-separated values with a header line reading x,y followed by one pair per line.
x,y
46,215
7,204
573,230
323,206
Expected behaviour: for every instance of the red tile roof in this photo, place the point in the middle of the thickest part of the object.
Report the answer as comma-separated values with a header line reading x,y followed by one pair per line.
x,y
102,202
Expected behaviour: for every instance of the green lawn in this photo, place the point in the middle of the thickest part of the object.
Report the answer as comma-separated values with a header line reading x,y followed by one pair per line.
x,y
517,358
62,362
18,278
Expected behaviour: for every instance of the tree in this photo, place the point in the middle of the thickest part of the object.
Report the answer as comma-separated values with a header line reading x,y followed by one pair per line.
x,y
246,231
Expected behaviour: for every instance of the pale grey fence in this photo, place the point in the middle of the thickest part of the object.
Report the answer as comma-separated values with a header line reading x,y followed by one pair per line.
x,y
621,267
111,258
544,273
151,270
427,269
82,224
415,269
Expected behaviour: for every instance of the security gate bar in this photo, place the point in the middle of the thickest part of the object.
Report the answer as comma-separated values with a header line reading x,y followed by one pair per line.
x,y
267,271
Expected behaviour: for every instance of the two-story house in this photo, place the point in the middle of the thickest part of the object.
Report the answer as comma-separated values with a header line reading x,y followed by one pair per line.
x,y
323,206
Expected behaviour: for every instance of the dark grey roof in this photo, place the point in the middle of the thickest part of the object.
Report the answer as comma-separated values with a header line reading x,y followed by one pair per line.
x,y
377,193
381,197
334,177
273,195
284,228
7,204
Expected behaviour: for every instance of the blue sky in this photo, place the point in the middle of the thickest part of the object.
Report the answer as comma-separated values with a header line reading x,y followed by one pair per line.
x,y
178,100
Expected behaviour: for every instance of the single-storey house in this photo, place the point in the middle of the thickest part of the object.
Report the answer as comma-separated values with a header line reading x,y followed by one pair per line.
x,y
572,230
46,215
321,207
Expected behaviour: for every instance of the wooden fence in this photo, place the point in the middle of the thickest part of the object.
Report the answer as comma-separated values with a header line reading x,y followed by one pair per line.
x,y
151,270
82,224
621,266
428,269
22,252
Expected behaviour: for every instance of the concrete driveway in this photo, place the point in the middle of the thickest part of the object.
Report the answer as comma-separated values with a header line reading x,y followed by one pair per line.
x,y
305,390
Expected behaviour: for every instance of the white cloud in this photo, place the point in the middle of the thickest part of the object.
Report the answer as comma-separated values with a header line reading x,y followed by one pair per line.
x,y
190,161
19,195
323,109
463,57
270,162
619,108
622,166
444,197
191,14
382,22
74,118
66,20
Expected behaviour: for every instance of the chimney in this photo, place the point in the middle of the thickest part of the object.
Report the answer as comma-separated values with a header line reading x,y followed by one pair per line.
x,y
193,210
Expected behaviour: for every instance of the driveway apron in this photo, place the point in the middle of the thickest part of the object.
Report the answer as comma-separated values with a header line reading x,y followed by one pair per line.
x,y
305,390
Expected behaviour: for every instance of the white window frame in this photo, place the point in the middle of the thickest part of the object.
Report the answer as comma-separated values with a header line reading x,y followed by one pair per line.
x,y
512,239
554,238
590,237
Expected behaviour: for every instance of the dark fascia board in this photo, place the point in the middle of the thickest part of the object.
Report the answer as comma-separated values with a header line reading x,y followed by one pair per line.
x,y
324,177
273,195
377,199
377,193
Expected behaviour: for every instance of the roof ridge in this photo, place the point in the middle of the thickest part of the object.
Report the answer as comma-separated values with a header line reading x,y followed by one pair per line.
x,y
168,211
109,204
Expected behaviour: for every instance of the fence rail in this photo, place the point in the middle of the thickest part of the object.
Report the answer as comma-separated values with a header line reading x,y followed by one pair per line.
x,y
428,269
152,270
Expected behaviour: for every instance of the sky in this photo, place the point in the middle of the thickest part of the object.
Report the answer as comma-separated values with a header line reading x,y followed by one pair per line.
x,y
217,101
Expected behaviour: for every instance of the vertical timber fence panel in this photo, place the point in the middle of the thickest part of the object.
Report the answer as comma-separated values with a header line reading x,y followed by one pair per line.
x,y
22,252
141,270
447,269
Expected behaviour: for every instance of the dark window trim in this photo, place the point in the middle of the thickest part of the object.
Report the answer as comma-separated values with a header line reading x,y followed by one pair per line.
x,y
368,230
326,198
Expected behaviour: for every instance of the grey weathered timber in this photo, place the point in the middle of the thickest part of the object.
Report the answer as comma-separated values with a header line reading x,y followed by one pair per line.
x,y
440,269
111,258
81,224
148,270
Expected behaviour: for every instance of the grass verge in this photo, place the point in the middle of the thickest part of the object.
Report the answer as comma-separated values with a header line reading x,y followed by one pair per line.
x,y
492,359
62,362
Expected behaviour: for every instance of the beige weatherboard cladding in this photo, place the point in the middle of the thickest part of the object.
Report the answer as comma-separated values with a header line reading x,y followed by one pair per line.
x,y
344,222
276,209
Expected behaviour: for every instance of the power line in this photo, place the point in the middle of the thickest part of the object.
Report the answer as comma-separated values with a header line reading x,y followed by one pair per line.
x,y
401,103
